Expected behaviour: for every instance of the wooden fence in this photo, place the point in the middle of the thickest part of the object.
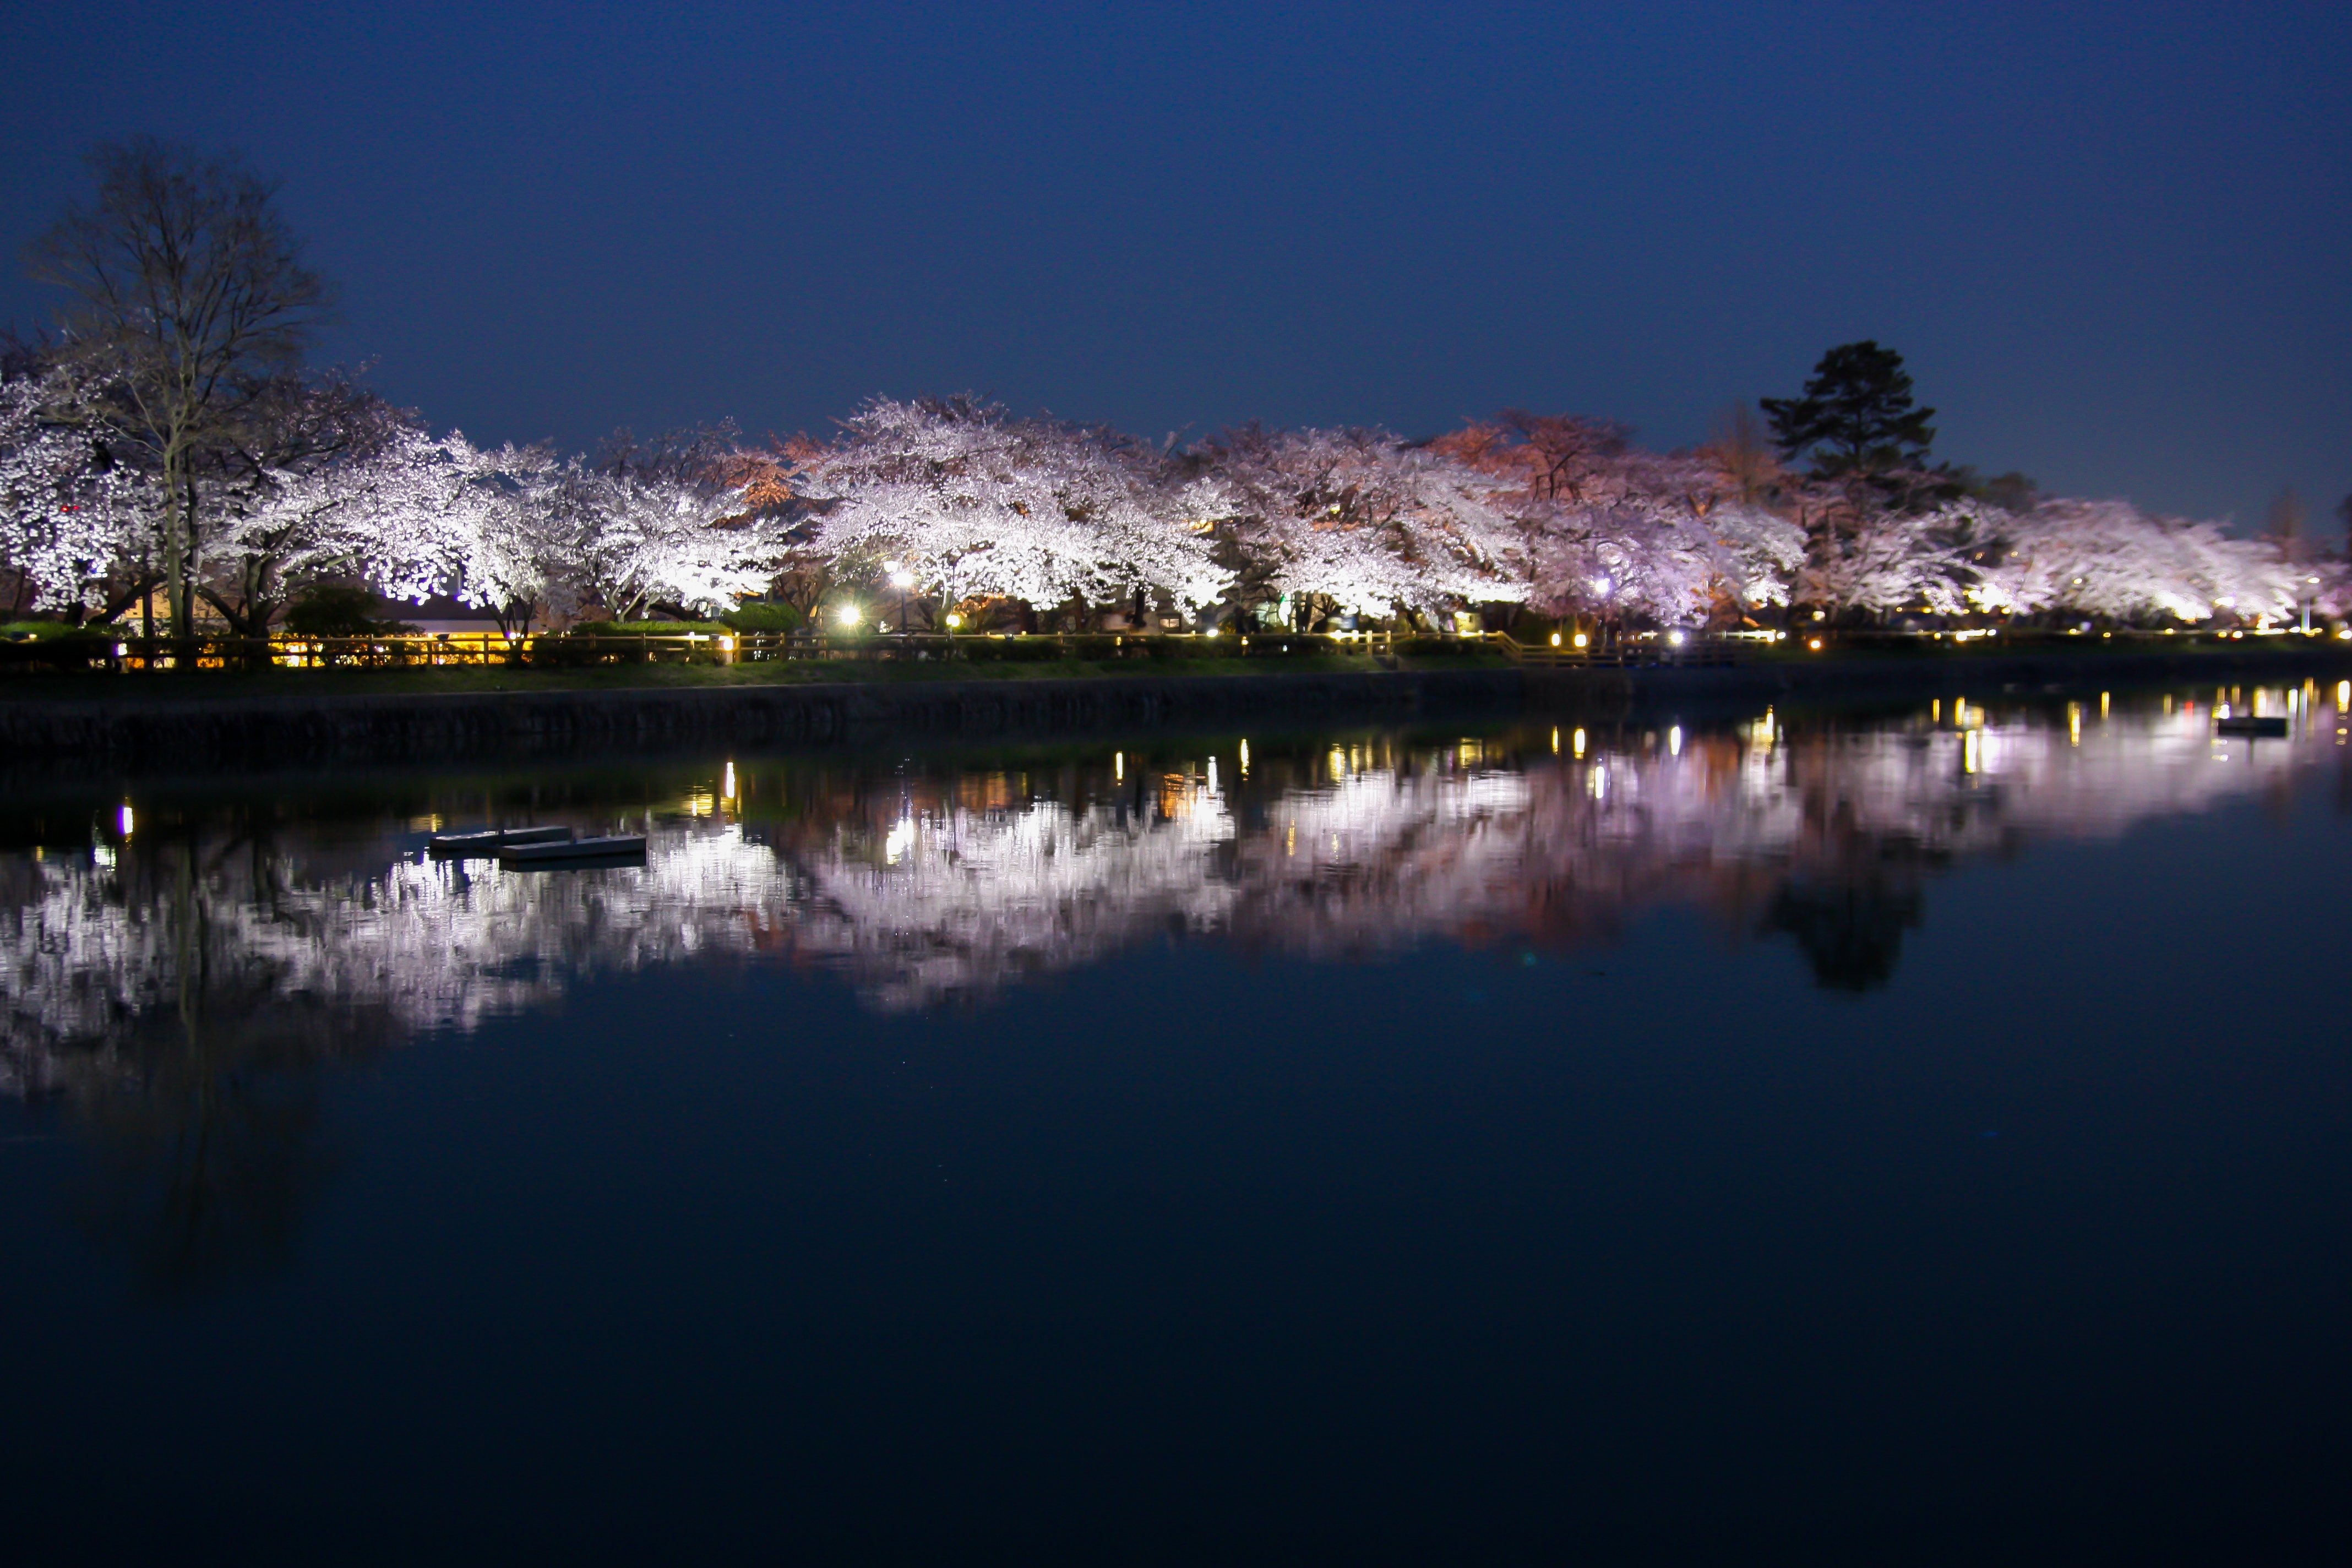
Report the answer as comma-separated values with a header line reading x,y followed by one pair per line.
x,y
98,650
92,651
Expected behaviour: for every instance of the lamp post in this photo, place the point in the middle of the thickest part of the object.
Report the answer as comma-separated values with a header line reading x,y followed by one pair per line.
x,y
902,580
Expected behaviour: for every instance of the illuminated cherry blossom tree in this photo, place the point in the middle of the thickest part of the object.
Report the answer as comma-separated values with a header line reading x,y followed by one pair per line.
x,y
72,524
977,505
1356,518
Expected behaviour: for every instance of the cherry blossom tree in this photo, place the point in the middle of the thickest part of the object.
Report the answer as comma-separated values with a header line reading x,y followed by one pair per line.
x,y
321,479
658,543
1356,518
978,505
2111,559
1891,559
69,512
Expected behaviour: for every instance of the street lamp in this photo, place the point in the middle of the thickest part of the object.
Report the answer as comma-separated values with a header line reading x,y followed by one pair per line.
x,y
902,580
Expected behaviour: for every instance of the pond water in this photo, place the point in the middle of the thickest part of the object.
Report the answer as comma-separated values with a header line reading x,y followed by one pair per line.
x,y
1900,1136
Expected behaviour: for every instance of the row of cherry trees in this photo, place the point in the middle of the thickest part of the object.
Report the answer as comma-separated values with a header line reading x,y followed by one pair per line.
x,y
321,480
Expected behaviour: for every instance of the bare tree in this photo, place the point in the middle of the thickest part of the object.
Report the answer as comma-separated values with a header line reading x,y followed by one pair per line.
x,y
1744,454
189,293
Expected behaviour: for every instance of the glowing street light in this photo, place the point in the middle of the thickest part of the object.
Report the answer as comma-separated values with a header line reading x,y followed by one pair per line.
x,y
849,616
902,580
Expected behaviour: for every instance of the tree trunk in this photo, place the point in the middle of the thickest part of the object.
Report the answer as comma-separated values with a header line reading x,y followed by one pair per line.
x,y
175,597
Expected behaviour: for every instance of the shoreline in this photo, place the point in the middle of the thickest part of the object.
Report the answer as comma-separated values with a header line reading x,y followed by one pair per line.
x,y
249,729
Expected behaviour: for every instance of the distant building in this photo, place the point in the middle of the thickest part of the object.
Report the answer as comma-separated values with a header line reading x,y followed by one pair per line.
x,y
442,614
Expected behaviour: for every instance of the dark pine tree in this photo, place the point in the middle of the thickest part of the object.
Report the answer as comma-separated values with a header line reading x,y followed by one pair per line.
x,y
1855,417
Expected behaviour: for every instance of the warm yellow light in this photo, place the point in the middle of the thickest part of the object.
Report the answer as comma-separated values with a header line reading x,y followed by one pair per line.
x,y
1579,743
1934,709
1968,749
1555,639
2074,723
1555,740
1813,643
955,622
1213,630
1244,759
2102,704
1580,639
726,782
1675,741
849,615
1821,615
1118,766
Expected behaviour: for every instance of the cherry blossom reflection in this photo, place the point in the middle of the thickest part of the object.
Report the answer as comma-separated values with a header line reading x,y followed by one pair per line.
x,y
923,889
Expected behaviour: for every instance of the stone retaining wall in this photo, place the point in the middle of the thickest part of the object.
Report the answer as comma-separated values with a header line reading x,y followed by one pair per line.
x,y
195,731
149,731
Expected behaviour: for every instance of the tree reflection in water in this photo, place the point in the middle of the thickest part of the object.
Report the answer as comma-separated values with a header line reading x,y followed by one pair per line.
x,y
1853,931
190,1054
181,988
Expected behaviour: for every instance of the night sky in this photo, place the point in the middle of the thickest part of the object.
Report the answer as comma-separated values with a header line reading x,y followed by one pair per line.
x,y
2112,241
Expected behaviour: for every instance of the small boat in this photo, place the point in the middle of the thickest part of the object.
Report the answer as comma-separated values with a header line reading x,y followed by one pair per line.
x,y
574,851
466,845
2248,724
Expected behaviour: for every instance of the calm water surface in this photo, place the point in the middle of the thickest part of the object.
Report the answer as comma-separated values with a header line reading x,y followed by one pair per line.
x,y
1913,1137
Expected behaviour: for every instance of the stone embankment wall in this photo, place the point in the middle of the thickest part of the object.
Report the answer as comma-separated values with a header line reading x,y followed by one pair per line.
x,y
189,729
126,726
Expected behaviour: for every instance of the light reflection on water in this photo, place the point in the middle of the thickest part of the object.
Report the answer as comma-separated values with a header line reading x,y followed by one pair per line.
x,y
711,1152
923,885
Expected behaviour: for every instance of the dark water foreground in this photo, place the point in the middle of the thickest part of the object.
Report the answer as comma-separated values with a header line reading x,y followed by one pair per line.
x,y
1902,1138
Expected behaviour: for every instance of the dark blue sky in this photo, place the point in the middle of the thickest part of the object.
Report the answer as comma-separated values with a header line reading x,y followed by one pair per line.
x,y
2114,241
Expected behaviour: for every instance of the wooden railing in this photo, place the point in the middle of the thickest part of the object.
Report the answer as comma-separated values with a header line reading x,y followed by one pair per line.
x,y
1692,652
97,649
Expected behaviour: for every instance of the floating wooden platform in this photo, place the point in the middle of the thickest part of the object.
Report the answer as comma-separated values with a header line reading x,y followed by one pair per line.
x,y
491,840
574,851
2250,725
